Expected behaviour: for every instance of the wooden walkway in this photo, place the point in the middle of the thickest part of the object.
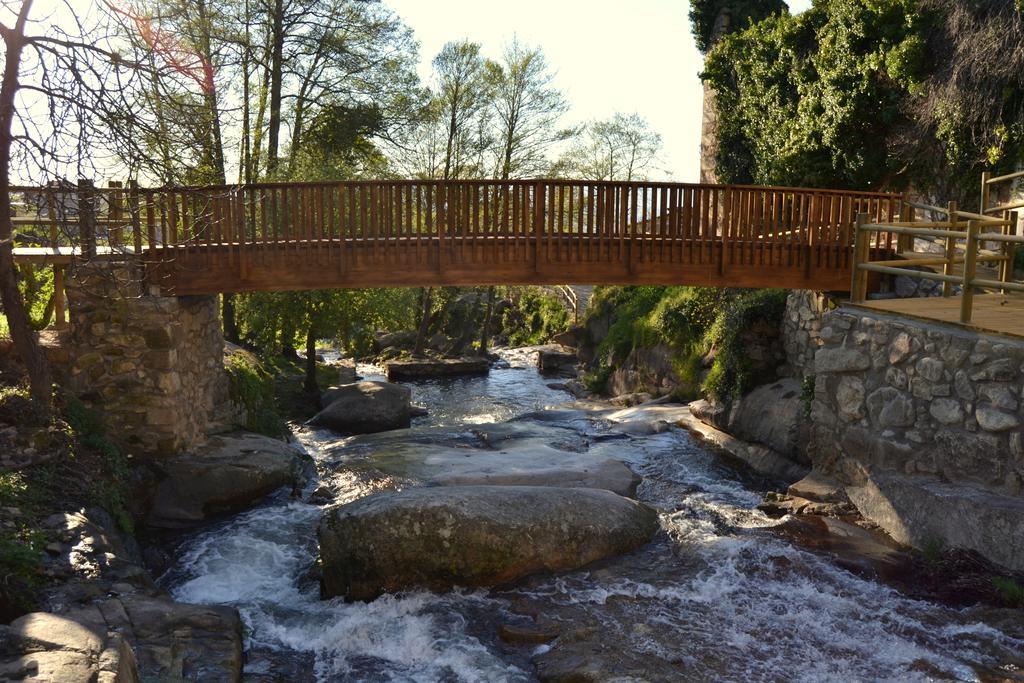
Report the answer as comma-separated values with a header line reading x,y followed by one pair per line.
x,y
993,313
291,236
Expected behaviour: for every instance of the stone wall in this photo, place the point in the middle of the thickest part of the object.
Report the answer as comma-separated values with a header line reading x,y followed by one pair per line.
x,y
922,423
153,365
801,330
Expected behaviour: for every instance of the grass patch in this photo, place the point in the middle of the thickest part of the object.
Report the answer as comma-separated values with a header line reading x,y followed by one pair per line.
x,y
1010,591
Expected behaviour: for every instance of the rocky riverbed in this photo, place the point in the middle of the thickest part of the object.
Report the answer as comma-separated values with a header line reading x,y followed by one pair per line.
x,y
721,592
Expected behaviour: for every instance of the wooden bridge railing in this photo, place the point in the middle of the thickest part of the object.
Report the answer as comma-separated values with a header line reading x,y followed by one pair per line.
x,y
375,233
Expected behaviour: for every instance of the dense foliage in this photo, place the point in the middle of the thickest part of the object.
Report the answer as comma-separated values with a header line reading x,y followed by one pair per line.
x,y
871,94
251,387
704,15
349,317
532,316
702,326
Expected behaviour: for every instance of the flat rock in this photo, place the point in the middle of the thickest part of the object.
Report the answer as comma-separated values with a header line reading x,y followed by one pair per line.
x,y
51,647
365,407
773,415
758,457
230,473
438,538
512,454
439,367
817,486
533,465
872,555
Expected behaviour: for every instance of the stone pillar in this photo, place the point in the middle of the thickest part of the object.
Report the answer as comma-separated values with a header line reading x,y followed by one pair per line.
x,y
153,366
801,330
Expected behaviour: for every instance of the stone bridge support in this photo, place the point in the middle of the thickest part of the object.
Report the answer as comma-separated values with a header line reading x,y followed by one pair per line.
x,y
153,365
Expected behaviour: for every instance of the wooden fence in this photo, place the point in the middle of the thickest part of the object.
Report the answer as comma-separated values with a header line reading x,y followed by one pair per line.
x,y
968,239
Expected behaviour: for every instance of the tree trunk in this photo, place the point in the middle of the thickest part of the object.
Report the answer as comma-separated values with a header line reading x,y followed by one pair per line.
x,y
310,384
22,335
276,58
424,328
227,314
485,329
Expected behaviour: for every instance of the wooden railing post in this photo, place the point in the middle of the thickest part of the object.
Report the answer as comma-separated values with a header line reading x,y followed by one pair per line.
x,y
58,297
985,191
442,223
947,269
861,244
970,262
115,231
1009,248
907,214
86,218
538,223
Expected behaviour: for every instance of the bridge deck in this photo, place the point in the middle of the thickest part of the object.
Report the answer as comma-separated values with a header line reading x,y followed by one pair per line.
x,y
494,260
286,236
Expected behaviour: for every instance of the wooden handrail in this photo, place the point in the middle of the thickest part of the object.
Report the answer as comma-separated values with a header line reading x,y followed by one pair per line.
x,y
1002,178
972,239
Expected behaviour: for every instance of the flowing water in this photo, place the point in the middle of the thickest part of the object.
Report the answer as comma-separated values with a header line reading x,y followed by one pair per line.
x,y
716,596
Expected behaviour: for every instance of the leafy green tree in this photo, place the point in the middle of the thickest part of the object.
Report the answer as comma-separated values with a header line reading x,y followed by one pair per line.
x,y
711,20
623,147
527,109
806,100
921,94
350,317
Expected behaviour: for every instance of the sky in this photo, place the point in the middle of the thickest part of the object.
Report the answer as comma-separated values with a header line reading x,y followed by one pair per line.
x,y
609,56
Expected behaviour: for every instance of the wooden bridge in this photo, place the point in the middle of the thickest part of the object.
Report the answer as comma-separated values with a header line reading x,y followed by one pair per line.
x,y
383,233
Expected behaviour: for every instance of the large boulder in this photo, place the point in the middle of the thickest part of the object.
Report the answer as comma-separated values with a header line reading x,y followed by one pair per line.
x,y
365,407
400,340
773,415
122,640
229,473
53,647
472,536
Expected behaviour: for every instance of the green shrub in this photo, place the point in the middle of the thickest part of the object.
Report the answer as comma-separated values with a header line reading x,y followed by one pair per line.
x,y
109,489
251,386
629,327
807,394
21,557
1010,591
692,322
731,373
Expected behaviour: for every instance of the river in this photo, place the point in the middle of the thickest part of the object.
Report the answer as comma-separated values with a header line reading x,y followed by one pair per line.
x,y
716,596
